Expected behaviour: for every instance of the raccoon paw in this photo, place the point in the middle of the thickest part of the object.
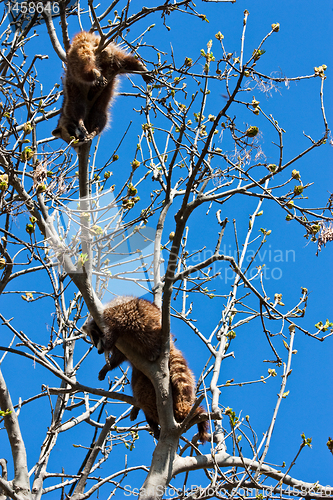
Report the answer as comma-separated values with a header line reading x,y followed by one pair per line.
x,y
101,81
152,358
154,355
103,372
84,140
156,430
79,133
134,413
91,136
97,74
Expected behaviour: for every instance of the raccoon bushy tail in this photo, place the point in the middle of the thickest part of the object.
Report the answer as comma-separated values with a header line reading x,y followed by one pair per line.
x,y
183,383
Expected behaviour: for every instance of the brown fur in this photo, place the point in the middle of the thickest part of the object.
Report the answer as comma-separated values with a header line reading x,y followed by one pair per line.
x,y
139,321
182,385
89,85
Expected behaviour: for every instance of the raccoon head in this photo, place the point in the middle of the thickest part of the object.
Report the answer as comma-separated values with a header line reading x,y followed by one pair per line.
x,y
96,336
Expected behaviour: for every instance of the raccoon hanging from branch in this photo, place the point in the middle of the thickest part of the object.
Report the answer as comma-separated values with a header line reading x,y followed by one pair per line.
x,y
89,84
183,395
138,321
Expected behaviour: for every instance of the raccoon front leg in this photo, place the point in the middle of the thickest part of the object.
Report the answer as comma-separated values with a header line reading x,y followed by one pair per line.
x,y
97,117
75,109
117,357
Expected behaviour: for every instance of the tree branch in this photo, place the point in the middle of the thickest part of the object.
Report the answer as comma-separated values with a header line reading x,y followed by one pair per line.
x,y
185,464
92,457
53,35
21,480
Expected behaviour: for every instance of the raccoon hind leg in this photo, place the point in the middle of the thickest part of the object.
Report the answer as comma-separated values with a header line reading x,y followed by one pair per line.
x,y
103,372
81,58
154,427
152,424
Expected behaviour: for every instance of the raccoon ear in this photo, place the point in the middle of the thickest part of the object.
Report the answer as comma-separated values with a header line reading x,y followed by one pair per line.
x,y
56,132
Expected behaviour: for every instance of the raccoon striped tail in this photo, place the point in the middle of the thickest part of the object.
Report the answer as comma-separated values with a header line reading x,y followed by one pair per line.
x,y
183,384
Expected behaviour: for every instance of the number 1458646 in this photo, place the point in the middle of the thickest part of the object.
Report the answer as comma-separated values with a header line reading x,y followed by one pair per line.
x,y
32,8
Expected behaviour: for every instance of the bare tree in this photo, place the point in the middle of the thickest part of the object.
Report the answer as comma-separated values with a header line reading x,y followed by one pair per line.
x,y
75,236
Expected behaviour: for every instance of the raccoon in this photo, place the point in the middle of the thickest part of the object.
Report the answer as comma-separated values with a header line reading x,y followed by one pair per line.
x,y
182,385
89,85
139,321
